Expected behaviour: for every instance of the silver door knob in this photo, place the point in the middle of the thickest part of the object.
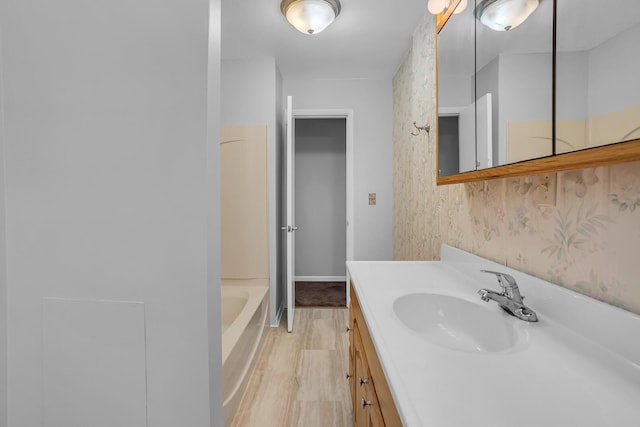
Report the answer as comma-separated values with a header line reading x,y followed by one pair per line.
x,y
365,403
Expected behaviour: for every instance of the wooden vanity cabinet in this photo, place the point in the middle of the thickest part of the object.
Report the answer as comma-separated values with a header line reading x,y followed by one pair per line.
x,y
373,404
352,366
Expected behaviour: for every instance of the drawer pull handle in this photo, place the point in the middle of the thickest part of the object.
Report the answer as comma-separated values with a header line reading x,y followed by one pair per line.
x,y
348,375
348,329
363,381
366,403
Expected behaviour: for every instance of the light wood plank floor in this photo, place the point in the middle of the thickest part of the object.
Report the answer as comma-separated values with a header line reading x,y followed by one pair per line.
x,y
299,377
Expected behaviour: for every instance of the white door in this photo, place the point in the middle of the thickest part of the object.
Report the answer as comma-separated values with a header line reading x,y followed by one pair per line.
x,y
467,138
484,135
290,227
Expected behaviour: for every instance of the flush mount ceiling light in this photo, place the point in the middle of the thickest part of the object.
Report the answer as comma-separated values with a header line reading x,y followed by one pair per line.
x,y
310,16
439,6
505,15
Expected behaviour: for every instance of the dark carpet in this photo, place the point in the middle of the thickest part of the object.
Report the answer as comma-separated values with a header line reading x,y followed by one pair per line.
x,y
321,294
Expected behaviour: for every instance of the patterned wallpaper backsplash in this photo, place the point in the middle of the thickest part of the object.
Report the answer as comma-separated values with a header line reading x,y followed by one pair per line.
x,y
578,229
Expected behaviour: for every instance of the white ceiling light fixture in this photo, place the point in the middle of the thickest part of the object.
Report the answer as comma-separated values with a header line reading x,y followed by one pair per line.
x,y
310,16
504,15
438,6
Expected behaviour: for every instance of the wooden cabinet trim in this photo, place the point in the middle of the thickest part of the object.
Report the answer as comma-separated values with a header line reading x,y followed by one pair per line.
x,y
621,152
360,371
605,155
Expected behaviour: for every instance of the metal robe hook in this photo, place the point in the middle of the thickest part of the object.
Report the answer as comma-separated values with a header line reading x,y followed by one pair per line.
x,y
425,128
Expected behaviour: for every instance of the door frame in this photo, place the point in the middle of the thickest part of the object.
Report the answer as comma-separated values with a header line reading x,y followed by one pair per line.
x,y
346,114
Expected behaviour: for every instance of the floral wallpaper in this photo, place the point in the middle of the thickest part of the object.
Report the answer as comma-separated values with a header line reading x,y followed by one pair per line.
x,y
579,229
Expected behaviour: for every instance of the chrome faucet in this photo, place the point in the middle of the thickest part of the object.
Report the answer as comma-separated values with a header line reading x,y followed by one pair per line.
x,y
509,299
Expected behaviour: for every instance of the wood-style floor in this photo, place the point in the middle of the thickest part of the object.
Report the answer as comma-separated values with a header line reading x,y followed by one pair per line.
x,y
299,377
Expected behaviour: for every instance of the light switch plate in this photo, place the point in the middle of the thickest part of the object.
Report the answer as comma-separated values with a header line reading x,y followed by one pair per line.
x,y
372,198
545,193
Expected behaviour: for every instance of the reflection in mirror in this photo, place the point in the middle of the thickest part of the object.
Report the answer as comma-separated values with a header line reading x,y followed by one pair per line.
x,y
597,74
514,88
495,92
456,109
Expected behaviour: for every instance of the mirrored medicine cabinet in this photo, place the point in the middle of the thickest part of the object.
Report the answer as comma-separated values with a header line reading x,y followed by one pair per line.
x,y
559,91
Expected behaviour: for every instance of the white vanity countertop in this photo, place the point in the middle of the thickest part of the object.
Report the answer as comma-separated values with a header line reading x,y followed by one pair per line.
x,y
578,366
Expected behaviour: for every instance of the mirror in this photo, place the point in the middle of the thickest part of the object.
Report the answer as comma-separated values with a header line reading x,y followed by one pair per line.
x,y
536,107
597,74
514,84
495,91
456,109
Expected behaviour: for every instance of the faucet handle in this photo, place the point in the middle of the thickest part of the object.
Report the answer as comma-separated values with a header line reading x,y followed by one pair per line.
x,y
484,294
506,281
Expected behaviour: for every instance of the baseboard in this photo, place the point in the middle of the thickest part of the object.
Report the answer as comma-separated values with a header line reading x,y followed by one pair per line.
x,y
320,278
278,316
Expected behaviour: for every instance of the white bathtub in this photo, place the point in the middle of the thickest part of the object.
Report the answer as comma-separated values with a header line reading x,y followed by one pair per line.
x,y
244,319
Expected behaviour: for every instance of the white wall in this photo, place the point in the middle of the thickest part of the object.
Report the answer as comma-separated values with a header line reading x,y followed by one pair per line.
x,y
614,68
3,267
572,73
454,90
371,101
249,97
532,101
110,194
248,92
321,209
600,80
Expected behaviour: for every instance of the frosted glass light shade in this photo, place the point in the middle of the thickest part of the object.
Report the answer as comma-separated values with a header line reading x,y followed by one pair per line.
x,y
505,15
436,6
310,16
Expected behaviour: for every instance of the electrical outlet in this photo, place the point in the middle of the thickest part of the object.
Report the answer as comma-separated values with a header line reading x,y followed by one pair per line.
x,y
372,198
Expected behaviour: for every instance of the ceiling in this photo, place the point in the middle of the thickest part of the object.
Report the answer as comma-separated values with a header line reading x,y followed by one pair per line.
x,y
369,39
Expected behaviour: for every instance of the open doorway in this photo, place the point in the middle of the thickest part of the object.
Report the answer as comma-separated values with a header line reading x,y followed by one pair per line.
x,y
290,227
321,211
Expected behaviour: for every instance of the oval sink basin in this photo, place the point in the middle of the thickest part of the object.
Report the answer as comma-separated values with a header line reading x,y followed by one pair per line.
x,y
455,323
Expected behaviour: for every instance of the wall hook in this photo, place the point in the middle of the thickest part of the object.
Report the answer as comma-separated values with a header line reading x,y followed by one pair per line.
x,y
425,128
